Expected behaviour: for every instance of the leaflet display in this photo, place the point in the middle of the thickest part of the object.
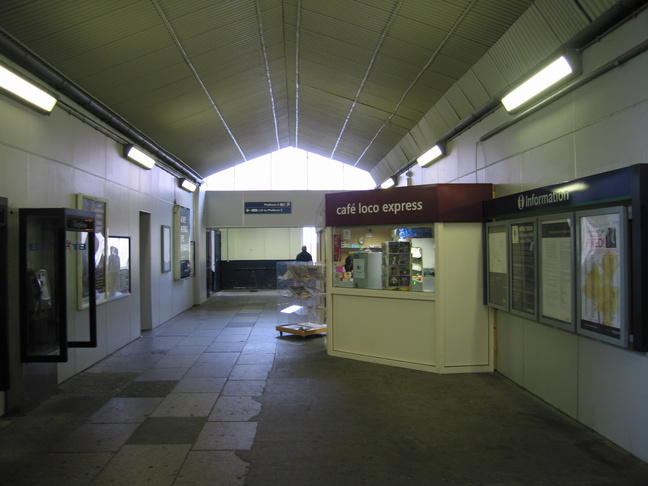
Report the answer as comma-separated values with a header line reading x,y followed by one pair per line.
x,y
557,271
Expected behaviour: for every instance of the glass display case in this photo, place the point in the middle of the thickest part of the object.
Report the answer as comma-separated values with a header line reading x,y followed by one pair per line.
x,y
385,257
301,300
57,255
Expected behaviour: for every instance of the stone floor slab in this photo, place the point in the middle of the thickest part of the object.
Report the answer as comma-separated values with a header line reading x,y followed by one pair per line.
x,y
226,436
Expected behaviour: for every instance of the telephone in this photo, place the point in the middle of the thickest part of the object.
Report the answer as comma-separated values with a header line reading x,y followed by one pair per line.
x,y
41,297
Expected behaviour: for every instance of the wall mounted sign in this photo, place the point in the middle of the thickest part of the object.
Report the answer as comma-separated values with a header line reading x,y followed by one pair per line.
x,y
181,242
284,207
411,204
607,187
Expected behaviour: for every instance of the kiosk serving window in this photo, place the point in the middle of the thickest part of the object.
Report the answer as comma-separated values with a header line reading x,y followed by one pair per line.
x,y
384,257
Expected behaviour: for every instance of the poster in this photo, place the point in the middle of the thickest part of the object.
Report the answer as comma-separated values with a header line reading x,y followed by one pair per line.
x,y
182,242
601,283
556,270
523,267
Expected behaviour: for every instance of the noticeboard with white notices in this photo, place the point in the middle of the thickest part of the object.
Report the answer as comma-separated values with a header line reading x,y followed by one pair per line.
x,y
497,283
556,271
602,278
523,267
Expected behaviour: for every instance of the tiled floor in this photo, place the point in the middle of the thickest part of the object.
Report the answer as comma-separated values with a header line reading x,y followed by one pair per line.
x,y
216,397
185,398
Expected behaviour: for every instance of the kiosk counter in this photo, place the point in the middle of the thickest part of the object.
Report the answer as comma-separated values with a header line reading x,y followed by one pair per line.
x,y
405,277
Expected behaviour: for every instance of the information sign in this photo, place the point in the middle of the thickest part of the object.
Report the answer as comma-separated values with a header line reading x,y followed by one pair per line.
x,y
283,207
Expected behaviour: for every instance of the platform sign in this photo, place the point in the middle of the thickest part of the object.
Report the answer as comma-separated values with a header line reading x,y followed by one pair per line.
x,y
284,207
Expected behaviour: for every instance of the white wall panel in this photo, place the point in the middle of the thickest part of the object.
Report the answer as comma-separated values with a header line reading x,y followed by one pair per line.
x,y
615,91
460,291
51,136
354,330
551,366
509,345
612,394
50,183
548,163
89,150
613,142
117,167
14,180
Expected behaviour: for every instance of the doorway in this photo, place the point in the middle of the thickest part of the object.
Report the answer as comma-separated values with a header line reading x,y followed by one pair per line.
x,y
146,314
213,262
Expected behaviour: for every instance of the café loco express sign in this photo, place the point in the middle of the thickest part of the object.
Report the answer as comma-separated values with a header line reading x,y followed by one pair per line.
x,y
411,204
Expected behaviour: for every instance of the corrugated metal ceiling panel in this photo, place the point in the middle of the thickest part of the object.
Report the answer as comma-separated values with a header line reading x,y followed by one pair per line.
x,y
152,62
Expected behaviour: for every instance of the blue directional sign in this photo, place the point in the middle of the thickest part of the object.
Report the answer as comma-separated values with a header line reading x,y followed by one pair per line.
x,y
268,207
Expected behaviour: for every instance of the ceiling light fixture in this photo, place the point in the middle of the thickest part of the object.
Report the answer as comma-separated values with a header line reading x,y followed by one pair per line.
x,y
136,155
24,90
558,70
391,182
431,155
187,185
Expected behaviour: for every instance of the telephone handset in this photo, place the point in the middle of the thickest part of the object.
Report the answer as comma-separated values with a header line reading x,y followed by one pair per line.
x,y
41,297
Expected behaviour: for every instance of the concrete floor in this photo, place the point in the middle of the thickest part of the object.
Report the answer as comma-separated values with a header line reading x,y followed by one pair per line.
x,y
215,397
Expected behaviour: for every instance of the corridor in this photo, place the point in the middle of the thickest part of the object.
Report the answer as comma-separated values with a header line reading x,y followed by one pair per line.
x,y
216,397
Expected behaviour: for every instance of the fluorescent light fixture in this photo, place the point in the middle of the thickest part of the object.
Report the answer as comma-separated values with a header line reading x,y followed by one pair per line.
x,y
431,155
136,155
26,91
391,182
543,80
187,185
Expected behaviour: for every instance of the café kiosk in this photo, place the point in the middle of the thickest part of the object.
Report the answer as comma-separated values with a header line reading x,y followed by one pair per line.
x,y
404,282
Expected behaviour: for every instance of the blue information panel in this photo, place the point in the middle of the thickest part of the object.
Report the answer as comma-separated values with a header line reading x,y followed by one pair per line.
x,y
268,207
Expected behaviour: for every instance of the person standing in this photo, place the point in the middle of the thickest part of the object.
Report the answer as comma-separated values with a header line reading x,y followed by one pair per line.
x,y
304,256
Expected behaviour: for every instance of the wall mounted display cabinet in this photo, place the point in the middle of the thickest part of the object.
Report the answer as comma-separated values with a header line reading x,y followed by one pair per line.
x,y
572,256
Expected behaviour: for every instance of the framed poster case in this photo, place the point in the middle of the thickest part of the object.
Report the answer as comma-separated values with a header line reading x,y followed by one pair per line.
x,y
557,271
99,207
497,266
523,268
181,242
602,282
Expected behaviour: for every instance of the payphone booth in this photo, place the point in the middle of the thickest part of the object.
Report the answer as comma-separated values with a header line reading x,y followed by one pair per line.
x,y
57,283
